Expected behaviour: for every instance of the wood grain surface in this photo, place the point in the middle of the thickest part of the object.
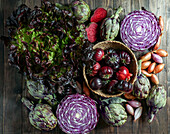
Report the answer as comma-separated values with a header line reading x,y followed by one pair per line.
x,y
14,116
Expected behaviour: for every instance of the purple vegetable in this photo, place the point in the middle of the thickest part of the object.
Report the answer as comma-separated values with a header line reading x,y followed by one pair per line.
x,y
113,60
96,83
142,84
106,72
140,30
134,103
112,86
77,114
99,54
130,109
125,86
157,58
124,58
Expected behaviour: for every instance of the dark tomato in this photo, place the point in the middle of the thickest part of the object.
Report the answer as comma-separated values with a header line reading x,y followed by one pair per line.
x,y
106,72
124,58
93,70
110,50
112,86
96,66
125,86
113,60
99,54
96,83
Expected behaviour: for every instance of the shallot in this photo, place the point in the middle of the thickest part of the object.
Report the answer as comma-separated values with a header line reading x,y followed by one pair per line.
x,y
161,23
161,52
157,58
159,68
145,64
154,79
130,109
134,103
138,113
158,43
146,57
151,67
146,73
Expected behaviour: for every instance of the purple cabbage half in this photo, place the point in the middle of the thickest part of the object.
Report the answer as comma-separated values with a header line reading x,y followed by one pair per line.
x,y
140,30
77,114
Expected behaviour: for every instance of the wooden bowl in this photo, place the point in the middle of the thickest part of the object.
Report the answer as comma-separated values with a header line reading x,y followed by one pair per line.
x,y
133,67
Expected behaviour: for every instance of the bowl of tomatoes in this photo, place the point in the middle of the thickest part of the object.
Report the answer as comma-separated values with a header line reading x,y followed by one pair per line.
x,y
113,69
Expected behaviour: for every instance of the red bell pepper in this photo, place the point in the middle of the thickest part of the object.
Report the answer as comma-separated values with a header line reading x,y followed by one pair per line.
x,y
123,74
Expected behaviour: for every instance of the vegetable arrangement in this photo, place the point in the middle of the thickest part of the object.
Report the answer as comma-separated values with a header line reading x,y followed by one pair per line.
x,y
108,71
51,44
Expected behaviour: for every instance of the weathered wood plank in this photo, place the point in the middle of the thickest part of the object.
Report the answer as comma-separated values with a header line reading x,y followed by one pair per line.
x,y
159,125
10,80
167,34
2,66
12,85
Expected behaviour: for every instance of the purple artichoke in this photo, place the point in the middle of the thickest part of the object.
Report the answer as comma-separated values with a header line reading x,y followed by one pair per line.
x,y
41,116
81,10
142,84
156,100
109,28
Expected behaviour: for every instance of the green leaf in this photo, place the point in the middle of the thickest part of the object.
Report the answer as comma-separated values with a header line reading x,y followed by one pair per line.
x,y
114,100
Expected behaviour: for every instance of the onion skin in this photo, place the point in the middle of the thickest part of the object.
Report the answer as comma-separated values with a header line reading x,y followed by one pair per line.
x,y
151,67
158,43
154,79
130,109
157,58
158,68
146,57
146,73
161,23
161,52
145,64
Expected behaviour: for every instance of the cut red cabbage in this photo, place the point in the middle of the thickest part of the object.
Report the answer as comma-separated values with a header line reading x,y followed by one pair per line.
x,y
77,114
140,30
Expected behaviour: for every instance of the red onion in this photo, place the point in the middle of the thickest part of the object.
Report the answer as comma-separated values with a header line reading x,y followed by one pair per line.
x,y
129,109
77,114
157,58
140,30
134,103
138,113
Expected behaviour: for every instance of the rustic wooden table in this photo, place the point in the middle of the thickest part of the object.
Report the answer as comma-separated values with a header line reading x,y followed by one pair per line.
x,y
14,116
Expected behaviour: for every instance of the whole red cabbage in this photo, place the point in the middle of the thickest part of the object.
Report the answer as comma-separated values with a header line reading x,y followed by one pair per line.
x,y
77,114
140,30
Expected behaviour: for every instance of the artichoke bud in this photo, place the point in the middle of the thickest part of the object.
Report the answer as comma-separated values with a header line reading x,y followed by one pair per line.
x,y
39,91
41,116
113,113
110,26
156,100
142,84
81,10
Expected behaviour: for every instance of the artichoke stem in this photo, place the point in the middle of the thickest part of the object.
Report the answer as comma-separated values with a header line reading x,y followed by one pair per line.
x,y
139,67
151,118
119,10
28,104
